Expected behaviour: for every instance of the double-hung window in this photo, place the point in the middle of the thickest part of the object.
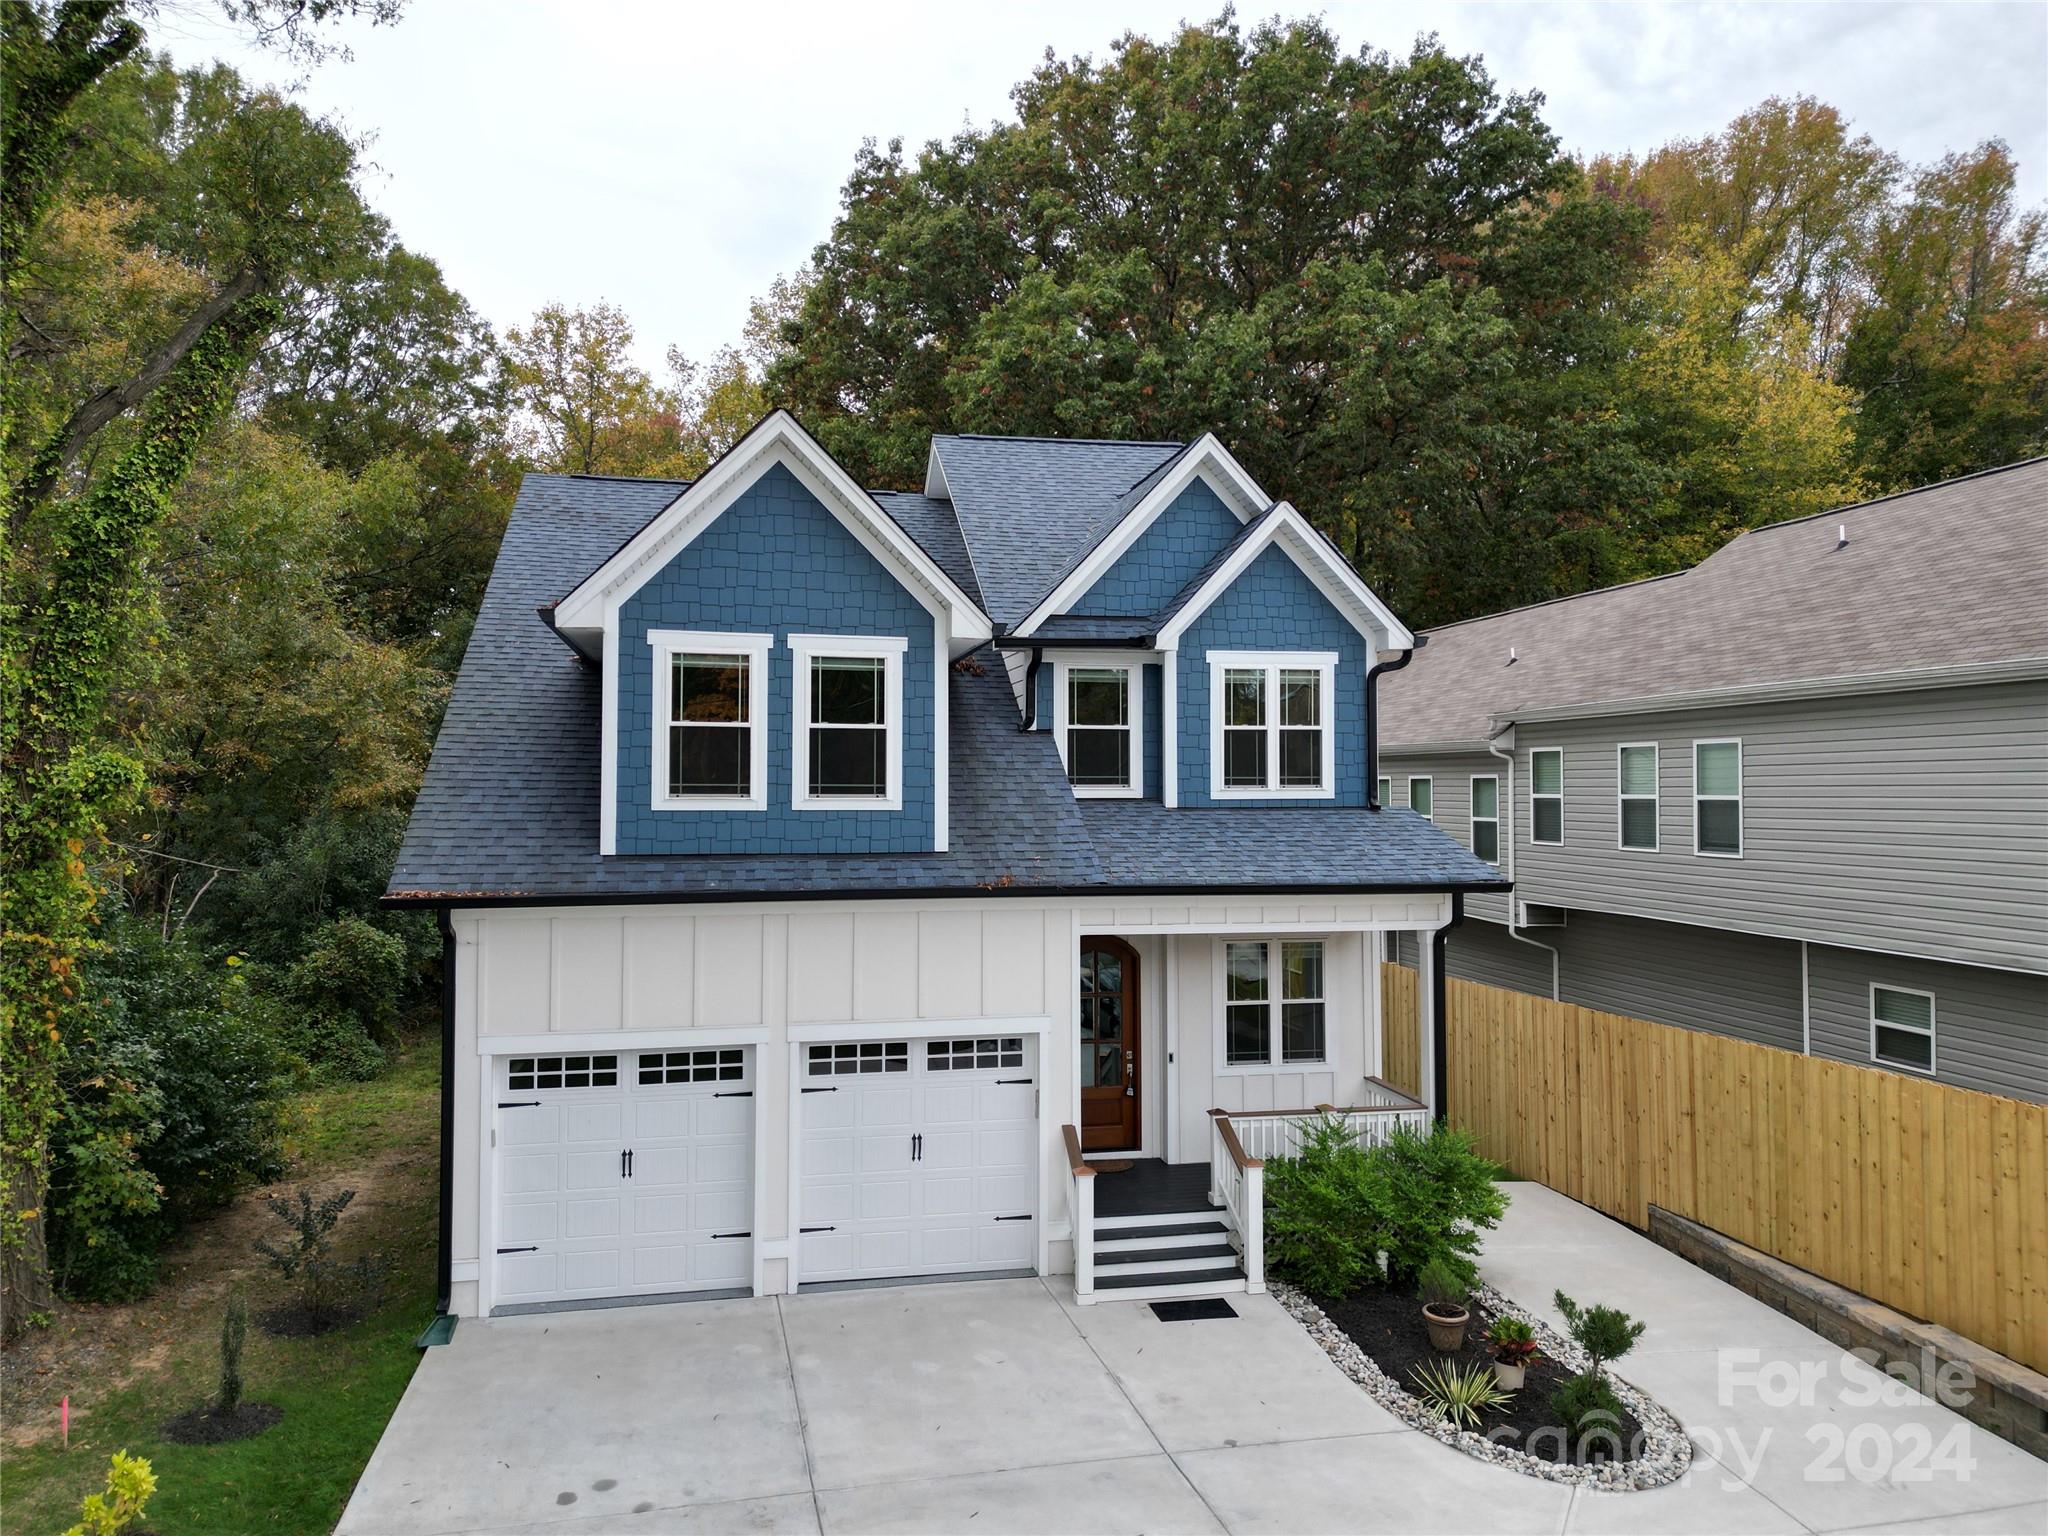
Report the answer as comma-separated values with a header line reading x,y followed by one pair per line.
x,y
1270,731
1717,798
1486,817
1902,1028
1422,797
710,733
1638,774
1273,1004
1546,795
848,729
1099,706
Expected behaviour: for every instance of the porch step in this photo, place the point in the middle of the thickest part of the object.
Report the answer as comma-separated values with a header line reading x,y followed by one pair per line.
x,y
1198,1212
1143,1287
1121,1236
1164,1261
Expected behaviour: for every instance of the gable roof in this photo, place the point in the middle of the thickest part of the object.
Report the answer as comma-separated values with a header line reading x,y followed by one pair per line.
x,y
518,750
1025,504
1933,585
777,438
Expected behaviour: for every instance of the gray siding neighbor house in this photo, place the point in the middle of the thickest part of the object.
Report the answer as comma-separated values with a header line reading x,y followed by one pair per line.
x,y
1797,793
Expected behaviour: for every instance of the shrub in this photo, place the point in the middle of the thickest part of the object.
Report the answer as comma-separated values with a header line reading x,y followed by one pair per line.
x,y
234,1332
1323,1213
115,1509
174,1100
1446,1282
1602,1332
1589,1412
1459,1394
1439,1195
326,1287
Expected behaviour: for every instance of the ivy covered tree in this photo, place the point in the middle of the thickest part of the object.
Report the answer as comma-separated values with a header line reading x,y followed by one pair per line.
x,y
88,467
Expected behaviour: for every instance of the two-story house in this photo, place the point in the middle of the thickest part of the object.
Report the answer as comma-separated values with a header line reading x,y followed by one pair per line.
x,y
1797,793
834,882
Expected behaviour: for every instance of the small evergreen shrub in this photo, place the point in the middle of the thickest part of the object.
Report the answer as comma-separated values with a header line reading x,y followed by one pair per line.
x,y
234,1332
1590,1414
1440,1195
1604,1333
1446,1282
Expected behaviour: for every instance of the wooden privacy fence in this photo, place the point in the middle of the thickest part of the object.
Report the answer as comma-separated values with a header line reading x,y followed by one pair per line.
x,y
1931,1199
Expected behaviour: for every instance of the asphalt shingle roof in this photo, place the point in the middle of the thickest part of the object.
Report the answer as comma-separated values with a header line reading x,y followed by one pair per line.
x,y
509,806
931,522
1948,575
1027,505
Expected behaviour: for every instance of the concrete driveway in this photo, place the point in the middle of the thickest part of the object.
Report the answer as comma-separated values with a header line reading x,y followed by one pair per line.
x,y
1001,1406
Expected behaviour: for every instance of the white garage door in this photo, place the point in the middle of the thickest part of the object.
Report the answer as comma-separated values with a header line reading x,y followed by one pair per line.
x,y
919,1157
626,1174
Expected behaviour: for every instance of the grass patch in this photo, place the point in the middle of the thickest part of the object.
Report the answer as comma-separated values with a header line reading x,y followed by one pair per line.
x,y
337,1392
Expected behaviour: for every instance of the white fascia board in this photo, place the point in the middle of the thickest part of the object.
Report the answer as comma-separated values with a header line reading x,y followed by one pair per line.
x,y
778,439
1316,560
1209,461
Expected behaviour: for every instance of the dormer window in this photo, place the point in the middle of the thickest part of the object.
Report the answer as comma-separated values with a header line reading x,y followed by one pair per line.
x,y
1269,725
1098,704
710,709
849,721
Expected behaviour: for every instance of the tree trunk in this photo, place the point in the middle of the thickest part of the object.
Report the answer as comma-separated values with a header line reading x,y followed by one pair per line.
x,y
25,1291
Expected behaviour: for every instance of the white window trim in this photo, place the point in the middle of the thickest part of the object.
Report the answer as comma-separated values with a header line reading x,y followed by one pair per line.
x,y
1655,797
1273,663
1534,796
1423,778
666,645
1932,1033
1474,818
1274,986
1131,662
1741,827
803,649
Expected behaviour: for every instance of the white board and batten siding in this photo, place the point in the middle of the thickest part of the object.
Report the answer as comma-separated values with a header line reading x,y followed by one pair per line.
x,y
771,978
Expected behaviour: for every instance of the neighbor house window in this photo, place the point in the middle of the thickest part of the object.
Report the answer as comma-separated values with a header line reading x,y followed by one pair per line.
x,y
1639,796
1486,818
1546,796
1386,795
1422,797
1270,731
848,709
1273,1005
1902,1028
1100,705
710,737
1717,797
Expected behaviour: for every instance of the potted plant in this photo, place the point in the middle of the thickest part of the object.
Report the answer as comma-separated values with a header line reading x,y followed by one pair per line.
x,y
1513,1343
1444,1289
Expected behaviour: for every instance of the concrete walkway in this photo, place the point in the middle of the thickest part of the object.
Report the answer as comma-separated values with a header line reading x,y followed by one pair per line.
x,y
1002,1406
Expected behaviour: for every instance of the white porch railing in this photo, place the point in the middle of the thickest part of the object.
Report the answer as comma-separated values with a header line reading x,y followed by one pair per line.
x,y
1082,1204
1269,1133
1237,1182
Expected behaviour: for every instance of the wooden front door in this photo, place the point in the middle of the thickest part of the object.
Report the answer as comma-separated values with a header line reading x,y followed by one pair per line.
x,y
1109,1046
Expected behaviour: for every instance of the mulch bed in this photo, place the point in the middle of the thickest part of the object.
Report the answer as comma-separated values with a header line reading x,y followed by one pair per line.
x,y
207,1426
294,1321
1386,1322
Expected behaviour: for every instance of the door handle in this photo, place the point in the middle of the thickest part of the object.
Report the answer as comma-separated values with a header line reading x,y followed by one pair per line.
x,y
1130,1074
622,1164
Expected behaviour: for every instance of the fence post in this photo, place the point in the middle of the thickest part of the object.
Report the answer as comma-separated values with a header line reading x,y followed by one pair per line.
x,y
1084,1239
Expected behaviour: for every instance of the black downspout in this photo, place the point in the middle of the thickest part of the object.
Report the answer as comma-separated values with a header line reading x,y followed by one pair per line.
x,y
1372,718
1031,687
1439,1034
445,1264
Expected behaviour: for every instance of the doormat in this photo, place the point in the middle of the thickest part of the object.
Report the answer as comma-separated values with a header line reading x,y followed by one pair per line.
x,y
1193,1311
1114,1165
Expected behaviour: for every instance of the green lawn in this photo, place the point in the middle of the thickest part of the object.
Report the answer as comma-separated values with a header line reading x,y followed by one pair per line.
x,y
337,1392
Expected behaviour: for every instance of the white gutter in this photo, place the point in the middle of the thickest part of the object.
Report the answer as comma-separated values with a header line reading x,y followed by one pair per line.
x,y
1508,869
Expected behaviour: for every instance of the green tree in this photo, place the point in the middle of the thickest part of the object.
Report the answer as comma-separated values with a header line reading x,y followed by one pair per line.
x,y
585,408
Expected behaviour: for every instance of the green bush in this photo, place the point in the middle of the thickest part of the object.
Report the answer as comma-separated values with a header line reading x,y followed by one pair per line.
x,y
174,1097
114,1510
1446,1282
351,968
1588,1411
1440,1195
1339,1216
1604,1333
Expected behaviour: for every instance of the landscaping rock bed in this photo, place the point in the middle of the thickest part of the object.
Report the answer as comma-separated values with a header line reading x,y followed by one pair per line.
x,y
1662,1450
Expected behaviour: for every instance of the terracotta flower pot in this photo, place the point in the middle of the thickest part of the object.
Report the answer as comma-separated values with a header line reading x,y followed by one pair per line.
x,y
1509,1376
1446,1328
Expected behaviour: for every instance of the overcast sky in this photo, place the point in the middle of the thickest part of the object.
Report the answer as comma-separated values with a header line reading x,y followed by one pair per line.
x,y
674,157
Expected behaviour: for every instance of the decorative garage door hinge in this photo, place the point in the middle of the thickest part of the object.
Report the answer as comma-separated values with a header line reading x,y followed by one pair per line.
x,y
519,1103
833,1089
734,1093
1025,1217
817,1229
530,1248
717,1235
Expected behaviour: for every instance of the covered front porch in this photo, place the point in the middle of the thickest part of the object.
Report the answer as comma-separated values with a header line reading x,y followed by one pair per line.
x,y
1206,1048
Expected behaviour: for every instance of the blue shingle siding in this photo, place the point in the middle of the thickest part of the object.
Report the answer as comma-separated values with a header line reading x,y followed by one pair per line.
x,y
1272,606
1164,557
775,561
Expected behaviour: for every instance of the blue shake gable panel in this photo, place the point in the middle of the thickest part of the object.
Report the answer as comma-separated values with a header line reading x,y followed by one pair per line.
x,y
1272,606
1165,557
774,562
